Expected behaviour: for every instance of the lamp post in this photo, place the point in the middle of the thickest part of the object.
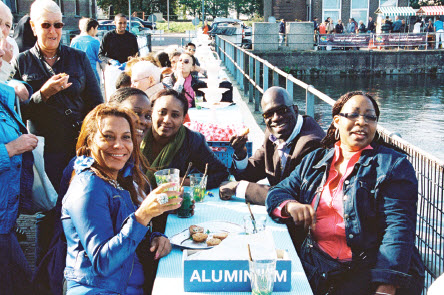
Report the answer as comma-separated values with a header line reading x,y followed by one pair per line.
x,y
129,13
203,11
168,13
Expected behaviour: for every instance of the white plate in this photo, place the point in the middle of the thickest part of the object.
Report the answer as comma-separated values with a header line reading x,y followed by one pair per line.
x,y
183,239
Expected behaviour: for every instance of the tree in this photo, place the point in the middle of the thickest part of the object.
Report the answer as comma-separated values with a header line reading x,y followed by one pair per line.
x,y
193,7
217,8
418,3
147,6
247,7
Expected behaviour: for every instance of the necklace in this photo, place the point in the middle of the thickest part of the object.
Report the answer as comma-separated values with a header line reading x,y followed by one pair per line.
x,y
51,58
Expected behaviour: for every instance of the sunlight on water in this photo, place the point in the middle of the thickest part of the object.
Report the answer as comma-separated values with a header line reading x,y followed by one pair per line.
x,y
412,106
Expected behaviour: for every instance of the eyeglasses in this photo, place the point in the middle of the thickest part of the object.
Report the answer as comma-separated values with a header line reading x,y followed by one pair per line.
x,y
355,116
185,61
56,25
280,111
191,49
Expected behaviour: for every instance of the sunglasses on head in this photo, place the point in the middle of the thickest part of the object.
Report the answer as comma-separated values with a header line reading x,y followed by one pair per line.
x,y
280,111
56,25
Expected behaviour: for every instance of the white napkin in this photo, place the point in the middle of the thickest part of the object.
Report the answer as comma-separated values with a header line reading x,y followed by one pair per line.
x,y
234,247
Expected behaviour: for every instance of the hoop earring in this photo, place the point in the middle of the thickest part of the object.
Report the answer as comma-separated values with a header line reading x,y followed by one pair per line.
x,y
337,134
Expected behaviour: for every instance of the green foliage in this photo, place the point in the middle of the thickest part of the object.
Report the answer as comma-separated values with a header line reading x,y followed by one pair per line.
x,y
147,6
176,27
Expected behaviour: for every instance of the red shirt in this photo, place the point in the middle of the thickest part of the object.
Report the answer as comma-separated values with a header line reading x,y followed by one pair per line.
x,y
322,29
330,226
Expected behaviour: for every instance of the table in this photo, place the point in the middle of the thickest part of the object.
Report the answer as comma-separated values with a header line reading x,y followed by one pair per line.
x,y
169,274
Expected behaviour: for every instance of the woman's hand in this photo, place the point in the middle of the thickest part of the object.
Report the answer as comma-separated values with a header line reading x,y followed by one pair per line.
x,y
54,85
151,208
385,289
161,245
25,143
301,213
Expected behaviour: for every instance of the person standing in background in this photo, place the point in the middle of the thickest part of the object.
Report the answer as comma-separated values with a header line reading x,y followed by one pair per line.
x,y
330,27
87,43
23,34
206,28
339,29
439,33
118,45
371,25
281,32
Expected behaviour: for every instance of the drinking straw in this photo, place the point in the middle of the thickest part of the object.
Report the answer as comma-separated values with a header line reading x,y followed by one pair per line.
x,y
249,252
186,174
252,219
205,174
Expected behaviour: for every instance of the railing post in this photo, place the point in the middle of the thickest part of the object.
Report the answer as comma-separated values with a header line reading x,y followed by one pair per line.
x,y
222,57
309,102
240,76
275,78
245,68
265,74
257,79
251,76
289,86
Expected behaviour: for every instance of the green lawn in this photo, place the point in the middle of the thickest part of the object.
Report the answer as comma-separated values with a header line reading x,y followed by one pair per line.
x,y
176,27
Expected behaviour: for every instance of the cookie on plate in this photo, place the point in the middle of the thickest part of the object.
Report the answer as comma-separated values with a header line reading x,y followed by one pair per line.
x,y
213,242
194,229
199,237
220,236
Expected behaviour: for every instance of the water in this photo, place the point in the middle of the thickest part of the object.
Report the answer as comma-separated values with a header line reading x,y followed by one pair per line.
x,y
412,106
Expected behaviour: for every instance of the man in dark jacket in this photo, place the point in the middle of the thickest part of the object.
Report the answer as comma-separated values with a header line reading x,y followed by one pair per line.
x,y
119,44
371,25
288,138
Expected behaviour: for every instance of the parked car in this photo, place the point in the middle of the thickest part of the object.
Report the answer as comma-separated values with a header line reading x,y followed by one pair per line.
x,y
146,24
222,22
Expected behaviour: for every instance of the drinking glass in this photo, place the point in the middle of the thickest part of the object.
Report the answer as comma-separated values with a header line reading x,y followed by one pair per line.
x,y
199,185
197,100
249,224
185,208
262,275
168,175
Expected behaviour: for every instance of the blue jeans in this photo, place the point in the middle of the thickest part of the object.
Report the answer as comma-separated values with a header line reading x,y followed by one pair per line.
x,y
15,274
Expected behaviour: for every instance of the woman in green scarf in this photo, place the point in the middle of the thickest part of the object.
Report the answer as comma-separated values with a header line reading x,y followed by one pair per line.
x,y
169,144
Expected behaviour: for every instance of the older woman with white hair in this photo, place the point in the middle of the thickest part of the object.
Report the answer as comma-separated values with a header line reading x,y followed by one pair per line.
x,y
65,90
146,77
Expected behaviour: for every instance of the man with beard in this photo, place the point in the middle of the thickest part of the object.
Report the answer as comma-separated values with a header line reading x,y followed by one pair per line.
x,y
288,138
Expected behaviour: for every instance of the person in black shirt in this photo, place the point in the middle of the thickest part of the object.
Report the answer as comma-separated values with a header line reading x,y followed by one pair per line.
x,y
23,34
371,25
339,29
118,45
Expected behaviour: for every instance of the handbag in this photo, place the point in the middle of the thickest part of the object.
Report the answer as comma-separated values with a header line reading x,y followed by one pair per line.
x,y
42,196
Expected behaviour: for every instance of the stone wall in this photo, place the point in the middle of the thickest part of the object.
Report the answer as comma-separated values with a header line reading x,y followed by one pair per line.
x,y
265,36
357,62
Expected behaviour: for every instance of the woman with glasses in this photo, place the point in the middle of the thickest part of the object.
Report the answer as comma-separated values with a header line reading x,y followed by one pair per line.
x,y
65,90
357,198
182,79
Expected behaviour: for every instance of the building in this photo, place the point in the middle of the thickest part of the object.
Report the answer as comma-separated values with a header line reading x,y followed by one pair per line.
x,y
72,10
304,10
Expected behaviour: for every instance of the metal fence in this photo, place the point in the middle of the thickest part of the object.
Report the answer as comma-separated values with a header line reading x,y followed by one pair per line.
x,y
255,75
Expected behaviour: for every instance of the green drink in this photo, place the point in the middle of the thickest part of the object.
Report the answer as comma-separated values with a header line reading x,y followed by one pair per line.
x,y
199,184
199,194
185,209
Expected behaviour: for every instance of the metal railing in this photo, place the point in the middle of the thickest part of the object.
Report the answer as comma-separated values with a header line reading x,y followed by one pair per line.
x,y
255,75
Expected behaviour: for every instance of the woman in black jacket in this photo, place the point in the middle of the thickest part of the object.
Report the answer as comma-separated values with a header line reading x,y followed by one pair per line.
x,y
65,90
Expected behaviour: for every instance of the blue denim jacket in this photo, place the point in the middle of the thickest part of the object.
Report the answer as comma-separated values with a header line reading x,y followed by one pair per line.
x,y
101,231
10,168
379,206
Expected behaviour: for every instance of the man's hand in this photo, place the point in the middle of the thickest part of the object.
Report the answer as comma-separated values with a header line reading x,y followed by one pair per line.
x,y
238,143
7,48
228,189
161,246
25,143
302,214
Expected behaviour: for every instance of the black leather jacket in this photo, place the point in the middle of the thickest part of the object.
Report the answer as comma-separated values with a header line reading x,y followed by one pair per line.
x,y
59,118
